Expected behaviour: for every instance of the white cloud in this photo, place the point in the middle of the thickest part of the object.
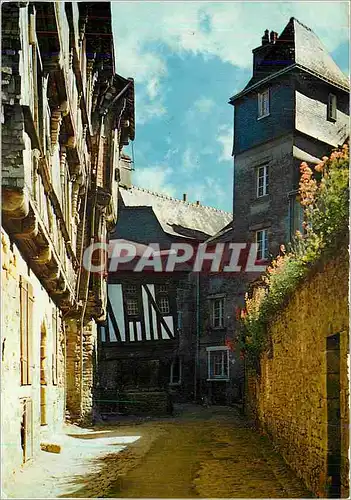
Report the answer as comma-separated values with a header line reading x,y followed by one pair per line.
x,y
148,104
190,160
156,178
227,30
210,192
225,138
147,111
204,105
234,29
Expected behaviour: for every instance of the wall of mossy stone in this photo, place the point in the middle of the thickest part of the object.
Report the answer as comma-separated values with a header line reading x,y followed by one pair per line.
x,y
289,395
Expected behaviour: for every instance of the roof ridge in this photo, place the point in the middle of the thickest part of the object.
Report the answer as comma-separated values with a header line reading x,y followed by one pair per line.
x,y
292,19
167,197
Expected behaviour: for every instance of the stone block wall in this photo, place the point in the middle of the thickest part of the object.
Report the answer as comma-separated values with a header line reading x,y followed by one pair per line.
x,y
292,396
80,377
271,212
12,392
151,403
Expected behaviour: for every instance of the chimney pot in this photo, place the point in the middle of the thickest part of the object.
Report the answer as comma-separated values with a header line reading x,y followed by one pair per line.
x,y
198,203
273,36
265,38
184,197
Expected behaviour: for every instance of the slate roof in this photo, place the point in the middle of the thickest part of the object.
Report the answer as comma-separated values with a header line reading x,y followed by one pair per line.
x,y
225,235
297,46
311,54
176,217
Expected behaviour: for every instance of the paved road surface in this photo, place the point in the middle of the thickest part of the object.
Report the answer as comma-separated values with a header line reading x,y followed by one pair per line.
x,y
208,453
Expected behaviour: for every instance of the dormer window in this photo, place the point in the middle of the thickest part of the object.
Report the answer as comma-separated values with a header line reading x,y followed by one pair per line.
x,y
331,116
263,104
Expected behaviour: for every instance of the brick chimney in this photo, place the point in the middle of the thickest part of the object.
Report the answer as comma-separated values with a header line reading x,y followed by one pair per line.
x,y
184,197
259,53
273,37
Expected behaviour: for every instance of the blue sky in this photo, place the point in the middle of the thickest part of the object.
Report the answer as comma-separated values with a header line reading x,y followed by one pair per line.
x,y
187,59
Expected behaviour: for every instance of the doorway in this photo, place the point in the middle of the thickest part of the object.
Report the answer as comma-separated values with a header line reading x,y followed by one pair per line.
x,y
333,411
27,429
43,375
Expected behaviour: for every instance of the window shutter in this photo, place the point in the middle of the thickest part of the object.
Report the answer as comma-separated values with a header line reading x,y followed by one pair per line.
x,y
26,331
260,107
266,102
30,304
23,332
54,347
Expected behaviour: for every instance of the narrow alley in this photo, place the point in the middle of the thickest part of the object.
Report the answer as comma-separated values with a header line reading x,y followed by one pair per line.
x,y
199,452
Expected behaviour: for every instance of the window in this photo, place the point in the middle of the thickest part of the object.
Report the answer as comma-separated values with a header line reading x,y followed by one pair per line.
x,y
263,104
163,304
26,330
218,363
27,428
130,289
262,181
132,307
331,112
217,312
262,242
162,298
296,216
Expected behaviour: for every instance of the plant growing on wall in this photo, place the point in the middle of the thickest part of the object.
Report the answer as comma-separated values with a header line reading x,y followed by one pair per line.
x,y
324,195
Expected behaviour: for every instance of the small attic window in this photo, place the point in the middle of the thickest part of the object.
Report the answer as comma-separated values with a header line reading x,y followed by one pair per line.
x,y
331,113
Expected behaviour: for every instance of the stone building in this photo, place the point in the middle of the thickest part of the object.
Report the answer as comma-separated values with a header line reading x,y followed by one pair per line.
x,y
65,118
294,108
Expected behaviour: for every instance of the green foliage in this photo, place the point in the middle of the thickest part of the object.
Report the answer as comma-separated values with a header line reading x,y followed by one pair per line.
x,y
324,194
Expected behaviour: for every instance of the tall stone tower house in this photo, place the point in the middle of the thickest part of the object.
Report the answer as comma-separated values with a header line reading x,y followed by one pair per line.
x,y
294,108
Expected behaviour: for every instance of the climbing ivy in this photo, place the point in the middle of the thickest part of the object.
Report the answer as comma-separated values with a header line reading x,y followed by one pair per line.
x,y
324,196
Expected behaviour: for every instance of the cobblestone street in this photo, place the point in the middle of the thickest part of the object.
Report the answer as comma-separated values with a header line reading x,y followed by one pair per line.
x,y
209,453
200,452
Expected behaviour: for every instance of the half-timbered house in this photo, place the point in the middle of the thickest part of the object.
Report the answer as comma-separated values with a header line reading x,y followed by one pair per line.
x,y
147,342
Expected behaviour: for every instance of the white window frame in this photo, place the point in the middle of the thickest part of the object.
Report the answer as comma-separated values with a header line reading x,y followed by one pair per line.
x,y
263,104
332,108
135,307
130,289
179,381
224,350
164,305
262,248
221,309
262,173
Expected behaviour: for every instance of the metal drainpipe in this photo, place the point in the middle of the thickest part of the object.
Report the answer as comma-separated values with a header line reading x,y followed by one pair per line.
x,y
197,334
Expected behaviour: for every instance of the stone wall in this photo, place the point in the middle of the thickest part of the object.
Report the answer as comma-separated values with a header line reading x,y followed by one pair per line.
x,y
294,397
12,392
267,212
151,403
80,376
